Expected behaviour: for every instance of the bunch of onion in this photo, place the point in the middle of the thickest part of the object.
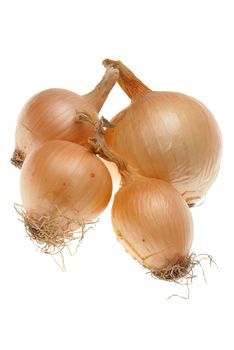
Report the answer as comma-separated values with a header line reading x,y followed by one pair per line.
x,y
64,187
166,135
150,218
52,115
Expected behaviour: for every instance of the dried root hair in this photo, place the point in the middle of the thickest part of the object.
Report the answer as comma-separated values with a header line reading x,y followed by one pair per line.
x,y
52,235
183,270
17,158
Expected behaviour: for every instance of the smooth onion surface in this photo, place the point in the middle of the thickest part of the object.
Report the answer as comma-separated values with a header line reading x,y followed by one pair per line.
x,y
53,114
50,115
166,135
153,223
169,136
64,176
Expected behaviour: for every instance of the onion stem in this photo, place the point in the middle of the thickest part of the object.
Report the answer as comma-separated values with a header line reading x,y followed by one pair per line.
x,y
98,146
99,94
131,85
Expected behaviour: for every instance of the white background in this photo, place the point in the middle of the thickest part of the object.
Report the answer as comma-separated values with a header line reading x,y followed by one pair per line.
x,y
105,300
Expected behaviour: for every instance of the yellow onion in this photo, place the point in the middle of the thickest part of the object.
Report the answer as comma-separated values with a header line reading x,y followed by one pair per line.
x,y
53,115
154,225
64,186
166,135
150,218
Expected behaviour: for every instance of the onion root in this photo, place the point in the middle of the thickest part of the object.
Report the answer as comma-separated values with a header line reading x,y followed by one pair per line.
x,y
52,235
17,158
183,270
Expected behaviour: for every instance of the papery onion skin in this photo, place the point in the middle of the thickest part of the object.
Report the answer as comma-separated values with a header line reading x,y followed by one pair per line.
x,y
53,115
50,115
113,169
60,175
153,223
167,135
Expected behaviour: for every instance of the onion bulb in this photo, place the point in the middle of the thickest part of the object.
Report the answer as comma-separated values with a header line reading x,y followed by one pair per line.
x,y
154,225
64,186
52,115
166,135
150,218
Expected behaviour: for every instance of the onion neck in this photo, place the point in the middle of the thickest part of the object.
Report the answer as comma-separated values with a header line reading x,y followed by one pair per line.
x,y
98,146
130,84
99,94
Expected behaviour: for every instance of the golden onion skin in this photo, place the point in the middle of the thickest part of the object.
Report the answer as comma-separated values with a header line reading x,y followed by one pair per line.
x,y
53,114
153,223
61,175
170,136
50,115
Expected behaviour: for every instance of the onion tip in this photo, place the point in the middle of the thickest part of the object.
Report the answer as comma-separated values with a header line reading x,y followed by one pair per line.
x,y
17,158
110,63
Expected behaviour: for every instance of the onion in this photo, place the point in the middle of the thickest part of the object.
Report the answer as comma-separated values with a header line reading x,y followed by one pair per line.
x,y
64,186
166,135
154,225
150,218
52,114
